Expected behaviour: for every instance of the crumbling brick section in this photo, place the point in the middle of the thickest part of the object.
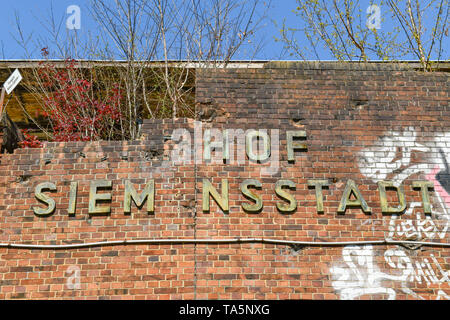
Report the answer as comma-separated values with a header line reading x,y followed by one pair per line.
x,y
364,124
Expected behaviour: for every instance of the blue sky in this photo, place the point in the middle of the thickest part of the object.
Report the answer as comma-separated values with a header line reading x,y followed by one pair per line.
x,y
34,15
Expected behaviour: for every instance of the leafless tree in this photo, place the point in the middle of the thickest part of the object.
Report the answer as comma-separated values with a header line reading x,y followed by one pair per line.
x,y
151,47
340,26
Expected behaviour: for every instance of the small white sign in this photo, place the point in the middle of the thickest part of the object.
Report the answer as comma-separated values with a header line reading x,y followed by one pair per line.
x,y
12,81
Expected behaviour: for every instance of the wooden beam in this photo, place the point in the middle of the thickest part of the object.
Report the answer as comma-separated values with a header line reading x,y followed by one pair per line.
x,y
2,98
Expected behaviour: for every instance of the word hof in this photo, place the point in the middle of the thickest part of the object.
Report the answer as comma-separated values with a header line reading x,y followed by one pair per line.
x,y
351,196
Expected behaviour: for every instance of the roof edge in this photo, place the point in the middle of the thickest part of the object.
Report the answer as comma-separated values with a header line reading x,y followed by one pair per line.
x,y
442,66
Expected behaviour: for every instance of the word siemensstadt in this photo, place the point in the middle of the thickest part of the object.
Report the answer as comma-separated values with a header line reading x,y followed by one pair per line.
x,y
351,196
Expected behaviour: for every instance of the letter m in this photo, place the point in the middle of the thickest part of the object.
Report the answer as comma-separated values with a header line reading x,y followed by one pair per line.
x,y
139,199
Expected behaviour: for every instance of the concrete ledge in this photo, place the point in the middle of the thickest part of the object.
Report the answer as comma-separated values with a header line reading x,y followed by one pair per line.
x,y
353,65
255,64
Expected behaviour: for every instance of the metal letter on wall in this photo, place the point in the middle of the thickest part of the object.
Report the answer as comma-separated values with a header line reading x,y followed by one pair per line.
x,y
250,134
319,185
385,208
424,186
208,190
94,197
294,144
148,193
72,198
358,202
258,205
44,198
282,207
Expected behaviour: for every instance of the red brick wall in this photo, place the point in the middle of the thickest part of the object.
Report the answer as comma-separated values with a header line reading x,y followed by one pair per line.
x,y
366,123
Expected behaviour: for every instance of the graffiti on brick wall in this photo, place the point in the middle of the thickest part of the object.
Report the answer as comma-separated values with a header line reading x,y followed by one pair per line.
x,y
359,275
416,225
392,155
396,157
392,158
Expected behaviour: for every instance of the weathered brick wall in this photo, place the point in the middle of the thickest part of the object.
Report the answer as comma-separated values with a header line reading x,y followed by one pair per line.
x,y
365,123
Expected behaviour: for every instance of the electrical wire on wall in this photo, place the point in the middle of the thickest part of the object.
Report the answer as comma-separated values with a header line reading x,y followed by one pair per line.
x,y
222,241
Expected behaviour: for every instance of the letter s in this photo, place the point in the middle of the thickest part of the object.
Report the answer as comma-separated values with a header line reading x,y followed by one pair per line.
x,y
45,199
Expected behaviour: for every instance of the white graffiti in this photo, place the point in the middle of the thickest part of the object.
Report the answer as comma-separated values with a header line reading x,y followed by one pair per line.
x,y
392,154
423,227
361,276
442,295
418,271
396,157
391,159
